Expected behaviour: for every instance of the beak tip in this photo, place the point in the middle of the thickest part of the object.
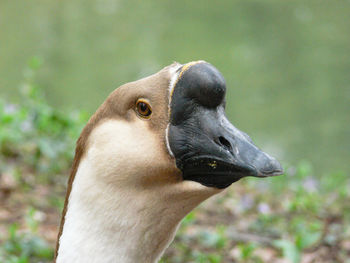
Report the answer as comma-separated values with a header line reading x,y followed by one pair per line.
x,y
279,169
273,169
278,172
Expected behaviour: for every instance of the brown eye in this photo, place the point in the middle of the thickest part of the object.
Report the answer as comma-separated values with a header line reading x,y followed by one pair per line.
x,y
143,109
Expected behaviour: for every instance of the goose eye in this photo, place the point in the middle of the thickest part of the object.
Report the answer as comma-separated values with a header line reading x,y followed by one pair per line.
x,y
143,109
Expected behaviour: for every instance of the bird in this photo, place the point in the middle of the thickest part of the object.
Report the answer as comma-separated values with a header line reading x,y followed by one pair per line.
x,y
153,151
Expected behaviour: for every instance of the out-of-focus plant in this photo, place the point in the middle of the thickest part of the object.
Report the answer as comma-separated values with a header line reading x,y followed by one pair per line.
x,y
22,246
36,148
35,134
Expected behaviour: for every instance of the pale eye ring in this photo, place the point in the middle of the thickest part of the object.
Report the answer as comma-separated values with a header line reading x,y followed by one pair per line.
x,y
143,109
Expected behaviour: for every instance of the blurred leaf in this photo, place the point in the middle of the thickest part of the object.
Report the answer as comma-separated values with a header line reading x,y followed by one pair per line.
x,y
247,250
306,239
35,63
290,250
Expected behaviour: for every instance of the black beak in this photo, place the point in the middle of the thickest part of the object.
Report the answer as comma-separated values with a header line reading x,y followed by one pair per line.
x,y
207,147
232,156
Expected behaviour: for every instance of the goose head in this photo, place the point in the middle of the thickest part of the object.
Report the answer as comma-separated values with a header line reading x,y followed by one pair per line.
x,y
154,150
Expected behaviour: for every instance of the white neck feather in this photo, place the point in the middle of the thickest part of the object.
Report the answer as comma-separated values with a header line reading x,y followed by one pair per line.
x,y
109,219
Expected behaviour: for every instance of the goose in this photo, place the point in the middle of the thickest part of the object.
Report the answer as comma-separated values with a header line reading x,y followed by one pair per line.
x,y
155,149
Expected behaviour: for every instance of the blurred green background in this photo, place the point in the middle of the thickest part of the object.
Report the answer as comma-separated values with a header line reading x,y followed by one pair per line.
x,y
287,68
287,64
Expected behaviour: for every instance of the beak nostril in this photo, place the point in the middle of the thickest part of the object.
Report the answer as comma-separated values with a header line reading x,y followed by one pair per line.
x,y
225,143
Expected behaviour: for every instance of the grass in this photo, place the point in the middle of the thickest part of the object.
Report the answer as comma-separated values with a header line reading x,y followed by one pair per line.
x,y
298,217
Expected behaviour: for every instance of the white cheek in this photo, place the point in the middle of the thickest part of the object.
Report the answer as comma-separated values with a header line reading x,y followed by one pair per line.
x,y
118,149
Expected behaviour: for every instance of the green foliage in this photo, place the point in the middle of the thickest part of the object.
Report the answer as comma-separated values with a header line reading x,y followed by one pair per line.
x,y
36,147
27,246
213,239
246,251
289,249
35,134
